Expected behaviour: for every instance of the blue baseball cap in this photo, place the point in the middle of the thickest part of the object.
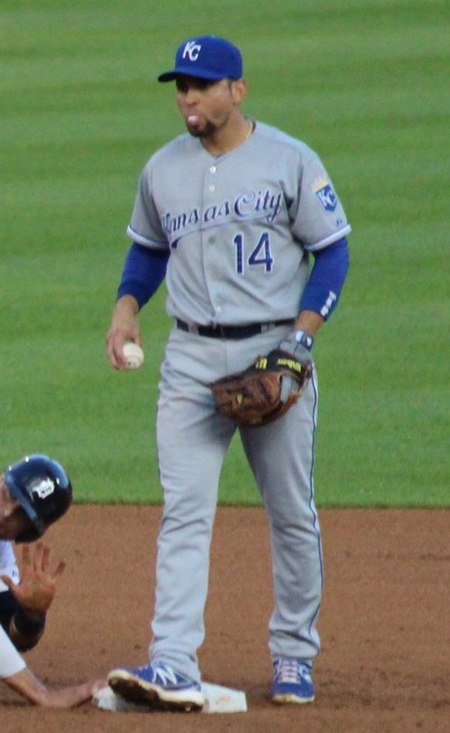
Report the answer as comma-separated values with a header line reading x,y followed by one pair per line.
x,y
206,57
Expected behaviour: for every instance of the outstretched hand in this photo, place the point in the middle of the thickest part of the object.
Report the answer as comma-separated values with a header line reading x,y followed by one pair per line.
x,y
36,588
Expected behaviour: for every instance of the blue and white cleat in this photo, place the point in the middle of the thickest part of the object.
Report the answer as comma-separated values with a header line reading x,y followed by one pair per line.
x,y
292,681
158,686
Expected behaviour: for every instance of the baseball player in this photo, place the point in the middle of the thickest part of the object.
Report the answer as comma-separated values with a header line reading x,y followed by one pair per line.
x,y
245,225
34,493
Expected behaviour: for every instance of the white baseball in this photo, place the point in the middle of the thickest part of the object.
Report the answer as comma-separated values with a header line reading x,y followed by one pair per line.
x,y
133,354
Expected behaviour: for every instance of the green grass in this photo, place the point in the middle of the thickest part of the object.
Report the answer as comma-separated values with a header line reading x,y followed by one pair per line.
x,y
365,84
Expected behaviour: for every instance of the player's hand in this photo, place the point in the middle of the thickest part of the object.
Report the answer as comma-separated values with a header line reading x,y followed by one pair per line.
x,y
71,696
28,685
124,327
36,588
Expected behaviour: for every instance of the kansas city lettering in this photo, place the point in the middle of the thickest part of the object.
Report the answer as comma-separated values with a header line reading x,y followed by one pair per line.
x,y
262,201
262,204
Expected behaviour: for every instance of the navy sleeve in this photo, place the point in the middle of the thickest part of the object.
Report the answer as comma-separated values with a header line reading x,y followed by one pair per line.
x,y
143,273
327,278
8,608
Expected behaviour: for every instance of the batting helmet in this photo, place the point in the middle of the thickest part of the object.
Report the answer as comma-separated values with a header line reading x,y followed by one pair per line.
x,y
42,488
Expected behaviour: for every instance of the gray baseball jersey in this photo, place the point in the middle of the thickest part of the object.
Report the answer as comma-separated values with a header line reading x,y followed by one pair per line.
x,y
238,226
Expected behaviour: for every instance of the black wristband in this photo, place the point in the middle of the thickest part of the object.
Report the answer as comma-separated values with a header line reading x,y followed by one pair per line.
x,y
27,626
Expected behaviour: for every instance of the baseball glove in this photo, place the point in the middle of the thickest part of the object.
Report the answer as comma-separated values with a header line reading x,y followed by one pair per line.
x,y
264,391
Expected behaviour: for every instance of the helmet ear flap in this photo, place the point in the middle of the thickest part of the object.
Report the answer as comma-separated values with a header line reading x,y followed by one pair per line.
x,y
43,490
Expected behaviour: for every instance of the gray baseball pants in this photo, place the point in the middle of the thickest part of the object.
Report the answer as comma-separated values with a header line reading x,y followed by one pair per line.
x,y
192,441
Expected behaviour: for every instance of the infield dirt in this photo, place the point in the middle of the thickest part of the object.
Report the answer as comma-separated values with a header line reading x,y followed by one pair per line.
x,y
384,623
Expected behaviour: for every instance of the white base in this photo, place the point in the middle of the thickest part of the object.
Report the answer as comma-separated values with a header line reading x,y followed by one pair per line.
x,y
218,699
223,699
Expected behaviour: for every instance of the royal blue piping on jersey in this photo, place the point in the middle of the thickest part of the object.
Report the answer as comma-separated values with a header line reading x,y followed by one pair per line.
x,y
327,277
143,273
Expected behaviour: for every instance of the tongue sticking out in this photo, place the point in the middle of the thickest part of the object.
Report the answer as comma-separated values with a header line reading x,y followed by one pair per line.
x,y
193,119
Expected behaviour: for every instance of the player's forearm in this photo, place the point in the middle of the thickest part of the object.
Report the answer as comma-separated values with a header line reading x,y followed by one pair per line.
x,y
123,319
126,308
27,685
143,273
322,291
124,327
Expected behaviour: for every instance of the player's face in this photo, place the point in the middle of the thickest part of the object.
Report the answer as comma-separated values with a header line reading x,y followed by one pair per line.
x,y
208,106
13,520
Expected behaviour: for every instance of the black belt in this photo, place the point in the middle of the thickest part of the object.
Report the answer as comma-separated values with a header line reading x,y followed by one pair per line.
x,y
233,332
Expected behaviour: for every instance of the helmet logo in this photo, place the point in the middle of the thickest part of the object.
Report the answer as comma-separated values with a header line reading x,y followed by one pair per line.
x,y
44,488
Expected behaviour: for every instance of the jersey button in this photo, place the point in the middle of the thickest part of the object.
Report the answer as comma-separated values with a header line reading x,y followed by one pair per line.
x,y
212,187
213,169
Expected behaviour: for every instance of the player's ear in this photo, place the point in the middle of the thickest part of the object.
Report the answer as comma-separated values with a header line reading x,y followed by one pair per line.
x,y
238,90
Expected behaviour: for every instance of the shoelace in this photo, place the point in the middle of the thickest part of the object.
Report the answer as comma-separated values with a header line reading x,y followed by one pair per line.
x,y
290,671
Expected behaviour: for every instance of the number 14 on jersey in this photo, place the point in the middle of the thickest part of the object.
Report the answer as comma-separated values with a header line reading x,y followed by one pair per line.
x,y
259,255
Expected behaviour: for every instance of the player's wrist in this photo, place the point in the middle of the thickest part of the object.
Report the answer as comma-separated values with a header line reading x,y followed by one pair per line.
x,y
304,338
298,341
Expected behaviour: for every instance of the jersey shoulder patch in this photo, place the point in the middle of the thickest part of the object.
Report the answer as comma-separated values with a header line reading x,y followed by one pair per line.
x,y
325,193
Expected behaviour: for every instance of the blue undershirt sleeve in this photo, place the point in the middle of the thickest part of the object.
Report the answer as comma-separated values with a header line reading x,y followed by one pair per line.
x,y
143,273
327,278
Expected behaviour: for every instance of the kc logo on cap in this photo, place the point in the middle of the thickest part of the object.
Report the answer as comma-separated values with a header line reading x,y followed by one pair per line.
x,y
206,57
192,50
